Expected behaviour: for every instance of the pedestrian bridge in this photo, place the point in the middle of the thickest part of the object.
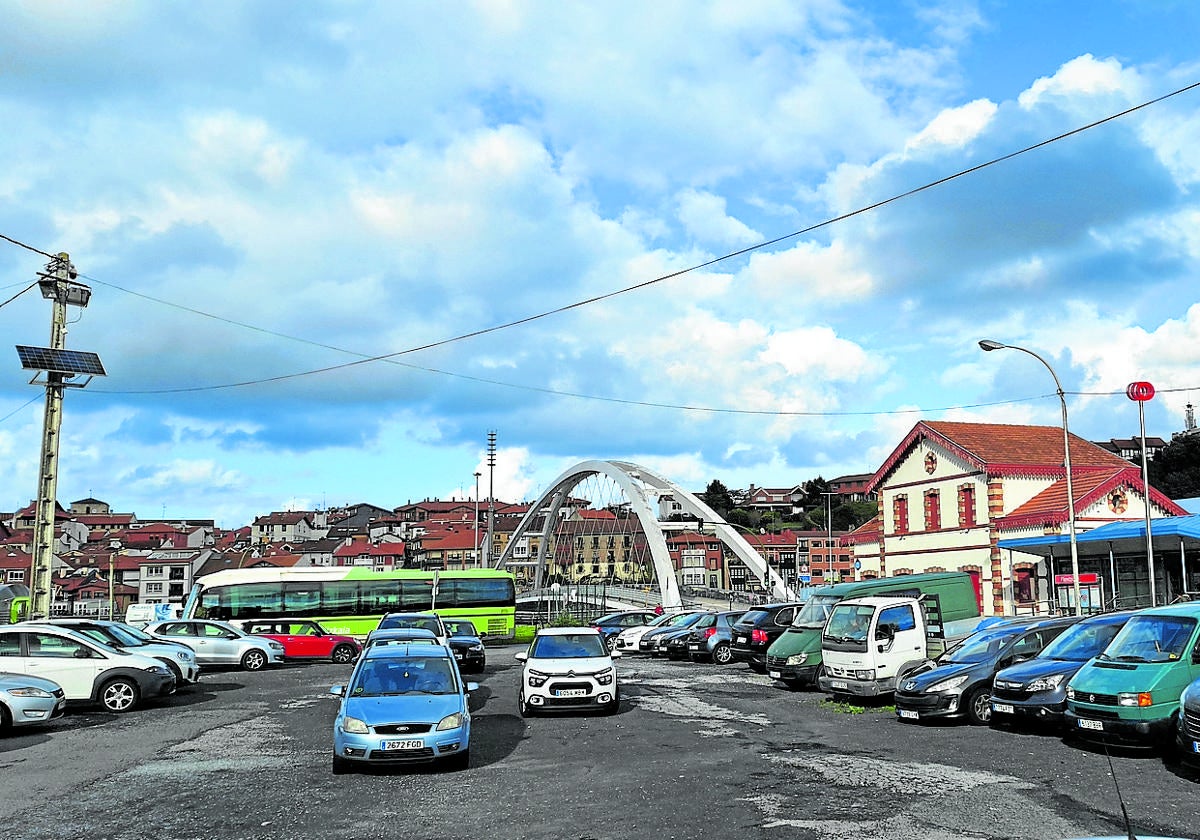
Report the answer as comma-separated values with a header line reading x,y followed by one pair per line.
x,y
613,514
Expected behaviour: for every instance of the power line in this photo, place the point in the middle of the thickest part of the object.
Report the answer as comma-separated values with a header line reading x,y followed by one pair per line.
x,y
18,294
391,357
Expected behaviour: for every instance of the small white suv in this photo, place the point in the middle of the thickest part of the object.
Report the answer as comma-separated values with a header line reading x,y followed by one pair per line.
x,y
568,668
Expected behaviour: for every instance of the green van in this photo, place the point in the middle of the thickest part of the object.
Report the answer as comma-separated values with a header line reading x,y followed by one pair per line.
x,y
1130,693
952,605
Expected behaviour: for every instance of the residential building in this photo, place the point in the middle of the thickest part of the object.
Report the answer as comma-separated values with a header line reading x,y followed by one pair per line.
x,y
284,526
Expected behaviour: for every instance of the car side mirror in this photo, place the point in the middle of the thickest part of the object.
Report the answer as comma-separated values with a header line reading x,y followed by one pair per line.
x,y
337,690
522,656
472,686
232,636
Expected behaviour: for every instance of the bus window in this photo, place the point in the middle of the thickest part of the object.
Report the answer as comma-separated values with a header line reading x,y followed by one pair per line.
x,y
418,595
379,596
301,598
256,600
483,592
339,597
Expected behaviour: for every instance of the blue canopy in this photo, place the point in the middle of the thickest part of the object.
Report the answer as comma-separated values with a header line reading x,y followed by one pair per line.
x,y
1167,533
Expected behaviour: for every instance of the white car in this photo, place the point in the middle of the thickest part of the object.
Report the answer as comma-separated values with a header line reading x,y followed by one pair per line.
x,y
568,668
86,669
627,640
179,658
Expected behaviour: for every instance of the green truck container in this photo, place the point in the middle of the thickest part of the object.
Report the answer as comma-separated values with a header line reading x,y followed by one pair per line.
x,y
795,657
1130,693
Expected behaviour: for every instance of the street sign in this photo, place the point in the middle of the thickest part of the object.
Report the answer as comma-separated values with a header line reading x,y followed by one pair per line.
x,y
1085,578
806,578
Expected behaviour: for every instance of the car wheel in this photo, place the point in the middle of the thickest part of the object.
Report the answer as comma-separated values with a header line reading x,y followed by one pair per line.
x,y
343,654
119,695
5,717
525,709
254,660
979,706
722,654
610,642
339,765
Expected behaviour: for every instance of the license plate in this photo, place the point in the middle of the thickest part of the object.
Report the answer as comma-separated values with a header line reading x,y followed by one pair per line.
x,y
908,714
1003,708
571,692
740,639
693,647
458,656
774,675
1097,725
837,683
403,745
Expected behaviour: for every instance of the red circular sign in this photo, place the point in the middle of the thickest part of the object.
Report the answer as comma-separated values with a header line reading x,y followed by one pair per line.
x,y
1140,391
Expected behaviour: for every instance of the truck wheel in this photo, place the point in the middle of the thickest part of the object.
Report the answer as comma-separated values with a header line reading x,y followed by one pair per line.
x,y
979,705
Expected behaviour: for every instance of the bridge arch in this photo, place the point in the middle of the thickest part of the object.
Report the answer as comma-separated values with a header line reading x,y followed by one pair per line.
x,y
642,488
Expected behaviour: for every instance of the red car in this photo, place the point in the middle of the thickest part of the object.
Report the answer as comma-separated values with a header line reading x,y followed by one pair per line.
x,y
305,639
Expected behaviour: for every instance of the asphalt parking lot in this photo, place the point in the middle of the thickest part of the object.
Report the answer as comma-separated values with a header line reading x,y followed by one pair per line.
x,y
695,751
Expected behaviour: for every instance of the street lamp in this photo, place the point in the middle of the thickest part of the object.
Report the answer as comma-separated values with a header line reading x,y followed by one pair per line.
x,y
478,562
988,346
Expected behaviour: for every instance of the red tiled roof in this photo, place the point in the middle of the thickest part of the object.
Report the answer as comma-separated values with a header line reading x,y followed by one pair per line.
x,y
868,532
1002,449
1049,507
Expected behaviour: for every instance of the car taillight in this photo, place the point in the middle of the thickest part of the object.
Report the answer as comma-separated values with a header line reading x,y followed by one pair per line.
x,y
759,636
710,632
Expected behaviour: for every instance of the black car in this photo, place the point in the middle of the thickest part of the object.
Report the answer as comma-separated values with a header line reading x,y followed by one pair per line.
x,y
611,625
1187,735
465,643
1036,690
680,621
959,682
757,629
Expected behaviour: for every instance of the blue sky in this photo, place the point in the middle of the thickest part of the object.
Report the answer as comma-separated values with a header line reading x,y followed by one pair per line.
x,y
256,190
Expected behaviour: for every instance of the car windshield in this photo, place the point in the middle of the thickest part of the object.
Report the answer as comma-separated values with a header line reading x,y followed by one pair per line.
x,y
403,675
461,628
753,617
978,647
422,622
1082,642
568,646
131,632
849,622
1151,638
816,611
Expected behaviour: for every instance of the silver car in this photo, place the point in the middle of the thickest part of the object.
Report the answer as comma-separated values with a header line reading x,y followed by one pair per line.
x,y
29,701
178,657
220,643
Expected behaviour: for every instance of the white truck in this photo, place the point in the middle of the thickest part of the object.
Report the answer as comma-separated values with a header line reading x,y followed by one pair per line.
x,y
868,642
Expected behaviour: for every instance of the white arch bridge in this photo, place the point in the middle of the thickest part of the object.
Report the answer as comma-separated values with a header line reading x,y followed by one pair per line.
x,y
615,507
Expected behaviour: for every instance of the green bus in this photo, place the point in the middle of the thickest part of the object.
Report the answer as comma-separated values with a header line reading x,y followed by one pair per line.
x,y
350,600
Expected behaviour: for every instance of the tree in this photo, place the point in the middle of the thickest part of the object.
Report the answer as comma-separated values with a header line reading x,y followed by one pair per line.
x,y
717,497
1176,469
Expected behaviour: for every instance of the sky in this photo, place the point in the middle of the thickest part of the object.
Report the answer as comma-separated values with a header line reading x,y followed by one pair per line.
x,y
333,245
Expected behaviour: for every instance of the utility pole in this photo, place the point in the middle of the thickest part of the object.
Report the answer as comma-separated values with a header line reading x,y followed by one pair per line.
x,y
475,527
57,284
491,453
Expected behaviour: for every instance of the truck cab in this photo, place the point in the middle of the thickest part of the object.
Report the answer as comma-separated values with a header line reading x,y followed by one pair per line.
x,y
867,642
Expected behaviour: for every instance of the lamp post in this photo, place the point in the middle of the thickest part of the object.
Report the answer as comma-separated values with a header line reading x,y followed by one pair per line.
x,y
478,560
988,346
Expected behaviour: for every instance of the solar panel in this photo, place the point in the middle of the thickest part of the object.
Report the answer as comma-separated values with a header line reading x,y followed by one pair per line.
x,y
60,361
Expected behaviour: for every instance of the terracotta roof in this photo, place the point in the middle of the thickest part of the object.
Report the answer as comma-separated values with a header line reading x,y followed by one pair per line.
x,y
1049,507
289,517
868,532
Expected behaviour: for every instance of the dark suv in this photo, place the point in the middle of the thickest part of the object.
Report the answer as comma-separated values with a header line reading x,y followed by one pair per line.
x,y
757,628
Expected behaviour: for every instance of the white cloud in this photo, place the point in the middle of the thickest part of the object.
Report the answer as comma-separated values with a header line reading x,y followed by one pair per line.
x,y
1086,76
956,127
704,217
810,271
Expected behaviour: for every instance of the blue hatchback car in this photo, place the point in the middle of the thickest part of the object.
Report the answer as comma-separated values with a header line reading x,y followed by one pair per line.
x,y
404,704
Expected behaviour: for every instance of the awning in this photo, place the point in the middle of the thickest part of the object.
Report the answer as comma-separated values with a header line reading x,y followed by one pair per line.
x,y
1166,534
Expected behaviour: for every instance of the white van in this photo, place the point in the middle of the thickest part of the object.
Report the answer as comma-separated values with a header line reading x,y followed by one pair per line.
x,y
139,615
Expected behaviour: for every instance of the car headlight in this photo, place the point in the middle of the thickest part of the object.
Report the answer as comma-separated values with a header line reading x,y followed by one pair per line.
x,y
184,656
1135,698
866,674
797,659
30,691
354,726
453,721
948,685
475,648
275,645
536,678
1070,693
157,669
606,677
1050,683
